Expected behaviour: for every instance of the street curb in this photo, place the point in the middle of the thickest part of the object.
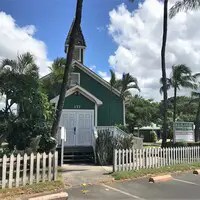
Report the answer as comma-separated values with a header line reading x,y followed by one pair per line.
x,y
161,178
56,196
196,171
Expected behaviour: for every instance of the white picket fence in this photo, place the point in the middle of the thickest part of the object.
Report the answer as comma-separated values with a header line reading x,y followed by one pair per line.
x,y
20,170
135,159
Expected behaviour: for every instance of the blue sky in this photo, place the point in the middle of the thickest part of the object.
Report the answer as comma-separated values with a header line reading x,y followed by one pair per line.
x,y
52,19
131,44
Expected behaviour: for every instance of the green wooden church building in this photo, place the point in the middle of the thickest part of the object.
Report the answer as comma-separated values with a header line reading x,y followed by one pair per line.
x,y
90,103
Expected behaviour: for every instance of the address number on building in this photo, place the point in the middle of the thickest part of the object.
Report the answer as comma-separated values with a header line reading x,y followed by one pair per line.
x,y
77,106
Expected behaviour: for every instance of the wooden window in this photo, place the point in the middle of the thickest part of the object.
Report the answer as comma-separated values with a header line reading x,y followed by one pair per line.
x,y
77,54
75,79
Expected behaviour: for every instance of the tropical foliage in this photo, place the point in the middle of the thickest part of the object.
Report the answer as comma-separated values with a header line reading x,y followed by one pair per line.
x,y
181,76
124,84
27,109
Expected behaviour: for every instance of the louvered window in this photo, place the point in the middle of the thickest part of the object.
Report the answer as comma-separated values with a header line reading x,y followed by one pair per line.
x,y
75,79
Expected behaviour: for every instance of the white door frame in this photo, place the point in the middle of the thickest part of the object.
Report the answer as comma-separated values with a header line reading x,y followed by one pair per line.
x,y
64,111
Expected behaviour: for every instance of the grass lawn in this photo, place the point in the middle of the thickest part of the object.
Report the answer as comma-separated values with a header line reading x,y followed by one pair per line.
x,y
154,171
49,186
31,189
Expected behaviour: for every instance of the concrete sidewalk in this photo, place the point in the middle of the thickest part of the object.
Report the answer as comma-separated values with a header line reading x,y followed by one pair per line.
x,y
76,175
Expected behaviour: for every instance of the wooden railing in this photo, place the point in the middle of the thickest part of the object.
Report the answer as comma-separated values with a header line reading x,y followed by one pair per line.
x,y
20,170
135,159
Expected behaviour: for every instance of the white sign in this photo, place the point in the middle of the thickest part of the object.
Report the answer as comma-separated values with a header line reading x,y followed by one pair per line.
x,y
183,131
63,133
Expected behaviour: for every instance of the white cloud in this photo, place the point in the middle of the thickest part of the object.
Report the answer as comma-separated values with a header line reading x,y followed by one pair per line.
x,y
106,76
92,67
17,40
138,36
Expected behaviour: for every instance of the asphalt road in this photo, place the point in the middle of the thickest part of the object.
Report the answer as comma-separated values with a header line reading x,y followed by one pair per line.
x,y
184,186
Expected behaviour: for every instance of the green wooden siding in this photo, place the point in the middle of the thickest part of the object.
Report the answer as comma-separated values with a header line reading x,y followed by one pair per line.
x,y
111,112
78,102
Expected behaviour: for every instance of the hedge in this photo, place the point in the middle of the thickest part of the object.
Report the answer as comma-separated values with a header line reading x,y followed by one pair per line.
x,y
182,144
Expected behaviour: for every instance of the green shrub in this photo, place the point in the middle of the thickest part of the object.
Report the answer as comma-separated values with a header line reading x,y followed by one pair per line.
x,y
104,147
106,143
153,136
123,128
182,144
23,131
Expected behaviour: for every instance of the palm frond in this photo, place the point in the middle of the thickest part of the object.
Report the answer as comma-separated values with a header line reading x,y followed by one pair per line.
x,y
197,75
195,94
113,78
184,5
24,60
12,64
133,86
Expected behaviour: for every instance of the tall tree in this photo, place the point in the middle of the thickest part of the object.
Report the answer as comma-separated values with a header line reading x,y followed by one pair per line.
x,y
124,84
163,68
68,67
181,76
196,96
184,5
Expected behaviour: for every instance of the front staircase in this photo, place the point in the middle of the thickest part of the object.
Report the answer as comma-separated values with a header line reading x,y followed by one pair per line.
x,y
78,154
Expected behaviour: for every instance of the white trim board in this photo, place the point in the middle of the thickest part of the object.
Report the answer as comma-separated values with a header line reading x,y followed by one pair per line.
x,y
96,77
82,91
93,75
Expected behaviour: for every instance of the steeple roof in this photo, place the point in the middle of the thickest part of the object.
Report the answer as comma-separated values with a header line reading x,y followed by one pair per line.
x,y
80,41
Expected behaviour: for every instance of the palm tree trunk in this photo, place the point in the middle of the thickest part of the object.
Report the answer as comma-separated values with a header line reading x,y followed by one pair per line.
x,y
164,40
175,94
197,124
67,68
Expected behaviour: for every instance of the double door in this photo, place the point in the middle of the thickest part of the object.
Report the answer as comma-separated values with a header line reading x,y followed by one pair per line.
x,y
79,125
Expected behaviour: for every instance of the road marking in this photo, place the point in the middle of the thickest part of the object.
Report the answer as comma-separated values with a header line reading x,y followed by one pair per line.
x,y
122,192
188,182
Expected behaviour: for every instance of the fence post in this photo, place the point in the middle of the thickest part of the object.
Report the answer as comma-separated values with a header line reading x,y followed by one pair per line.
x,y
55,166
24,169
146,156
123,159
31,168
130,163
49,167
127,159
44,157
120,159
10,181
4,164
17,170
38,168
114,160
133,159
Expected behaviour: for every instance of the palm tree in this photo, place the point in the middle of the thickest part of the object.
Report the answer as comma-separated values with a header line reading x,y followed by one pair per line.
x,y
196,96
24,64
163,68
125,84
68,66
52,82
181,76
184,5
